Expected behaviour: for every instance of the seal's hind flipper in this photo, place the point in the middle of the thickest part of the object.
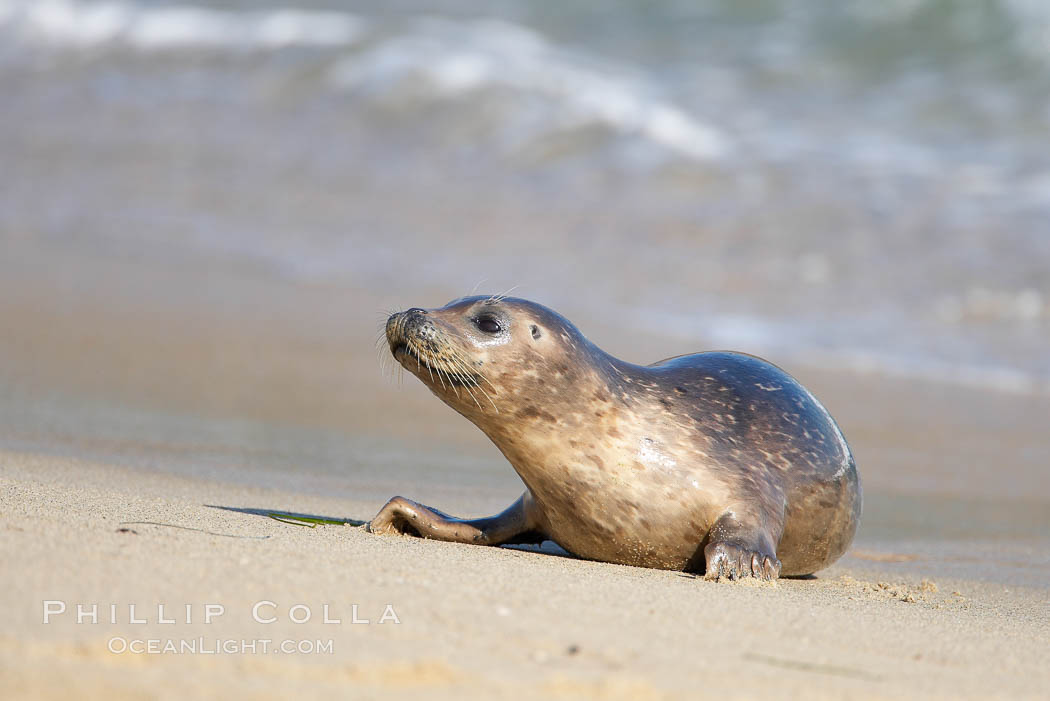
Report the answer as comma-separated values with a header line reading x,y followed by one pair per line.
x,y
737,562
735,550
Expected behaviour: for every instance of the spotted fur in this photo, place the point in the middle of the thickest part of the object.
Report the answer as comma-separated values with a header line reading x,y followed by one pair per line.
x,y
718,462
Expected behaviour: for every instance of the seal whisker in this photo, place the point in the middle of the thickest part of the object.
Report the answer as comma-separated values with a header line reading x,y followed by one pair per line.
x,y
487,396
496,299
474,375
450,382
476,400
476,384
462,374
465,372
386,369
422,362
467,388
455,360
494,390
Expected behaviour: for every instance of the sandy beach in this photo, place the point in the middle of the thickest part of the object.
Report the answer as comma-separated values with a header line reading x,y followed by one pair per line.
x,y
472,622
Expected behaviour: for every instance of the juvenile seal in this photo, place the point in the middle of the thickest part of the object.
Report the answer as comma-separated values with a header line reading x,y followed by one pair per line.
x,y
715,462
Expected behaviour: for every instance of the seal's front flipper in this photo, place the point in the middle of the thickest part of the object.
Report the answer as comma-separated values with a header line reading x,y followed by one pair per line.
x,y
517,524
735,551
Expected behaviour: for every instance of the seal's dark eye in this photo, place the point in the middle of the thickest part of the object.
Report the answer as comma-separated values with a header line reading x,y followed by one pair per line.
x,y
487,324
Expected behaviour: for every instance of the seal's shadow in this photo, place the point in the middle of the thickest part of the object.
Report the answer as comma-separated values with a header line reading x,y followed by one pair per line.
x,y
270,513
547,547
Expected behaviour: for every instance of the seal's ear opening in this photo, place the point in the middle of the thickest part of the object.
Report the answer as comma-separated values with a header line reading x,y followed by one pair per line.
x,y
535,331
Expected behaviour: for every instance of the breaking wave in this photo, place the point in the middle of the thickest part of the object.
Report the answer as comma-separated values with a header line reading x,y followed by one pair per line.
x,y
95,24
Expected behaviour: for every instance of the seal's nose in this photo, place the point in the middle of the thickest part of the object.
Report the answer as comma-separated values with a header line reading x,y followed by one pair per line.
x,y
414,318
403,323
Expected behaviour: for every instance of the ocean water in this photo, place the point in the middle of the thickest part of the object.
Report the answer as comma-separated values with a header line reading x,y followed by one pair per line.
x,y
844,183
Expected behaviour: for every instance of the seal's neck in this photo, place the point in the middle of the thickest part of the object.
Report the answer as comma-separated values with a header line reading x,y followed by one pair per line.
x,y
569,428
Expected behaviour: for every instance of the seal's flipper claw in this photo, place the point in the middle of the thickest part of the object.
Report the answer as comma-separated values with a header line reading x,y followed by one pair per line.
x,y
517,524
720,561
770,569
733,562
394,518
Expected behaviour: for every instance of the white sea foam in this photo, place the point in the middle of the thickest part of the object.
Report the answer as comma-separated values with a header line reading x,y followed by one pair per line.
x,y
998,378
92,24
809,346
443,59
1024,306
1033,26
452,59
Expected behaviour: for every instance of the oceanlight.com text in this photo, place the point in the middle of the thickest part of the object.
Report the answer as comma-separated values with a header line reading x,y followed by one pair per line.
x,y
218,646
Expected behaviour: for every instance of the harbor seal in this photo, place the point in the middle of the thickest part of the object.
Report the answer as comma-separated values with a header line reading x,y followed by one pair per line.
x,y
715,462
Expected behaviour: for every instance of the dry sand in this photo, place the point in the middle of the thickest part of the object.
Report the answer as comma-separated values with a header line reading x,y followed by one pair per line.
x,y
473,621
141,437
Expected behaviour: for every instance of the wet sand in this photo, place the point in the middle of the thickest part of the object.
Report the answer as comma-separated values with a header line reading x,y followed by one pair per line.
x,y
149,411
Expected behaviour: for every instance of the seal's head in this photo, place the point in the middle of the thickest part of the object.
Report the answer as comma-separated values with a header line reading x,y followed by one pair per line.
x,y
482,354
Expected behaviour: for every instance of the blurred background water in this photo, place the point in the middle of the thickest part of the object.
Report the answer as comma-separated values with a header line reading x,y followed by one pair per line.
x,y
848,184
